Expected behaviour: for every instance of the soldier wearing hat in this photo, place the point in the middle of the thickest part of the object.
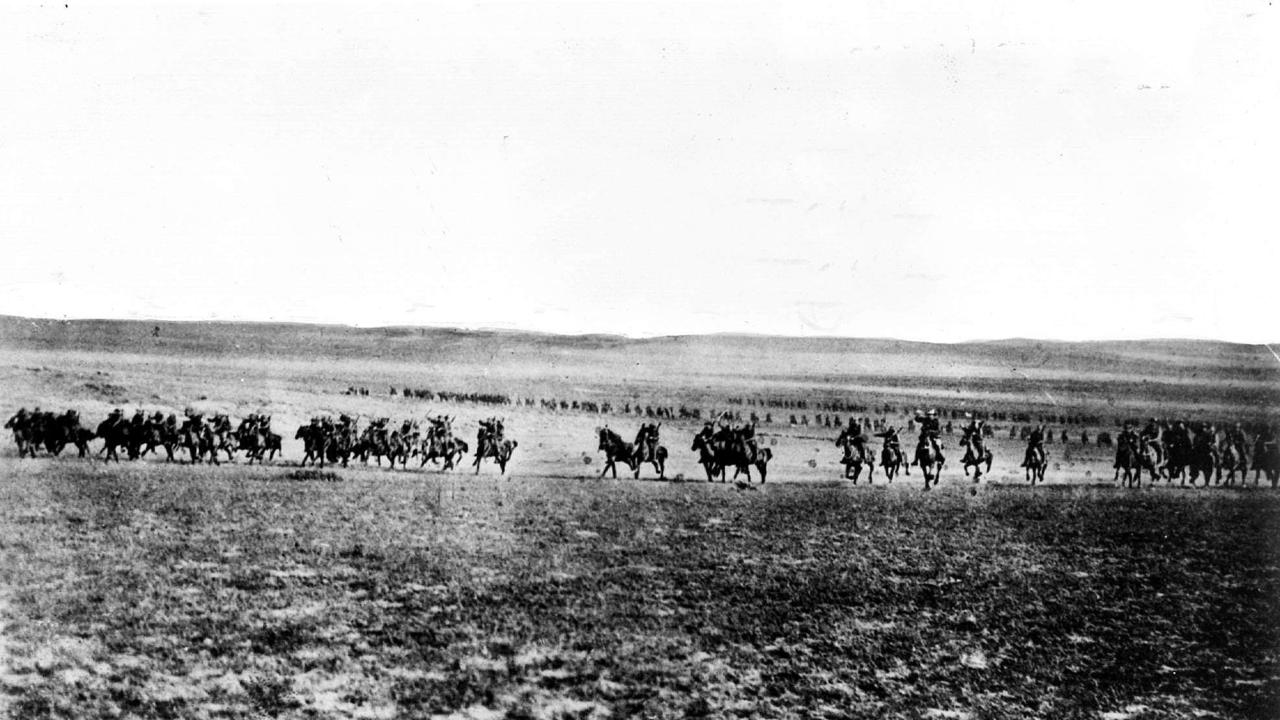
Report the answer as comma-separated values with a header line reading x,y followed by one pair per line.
x,y
890,437
974,431
1127,435
930,429
1035,444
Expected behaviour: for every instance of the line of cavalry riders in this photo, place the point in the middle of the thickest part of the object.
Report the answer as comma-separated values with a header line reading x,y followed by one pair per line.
x,y
202,439
1165,450
1168,450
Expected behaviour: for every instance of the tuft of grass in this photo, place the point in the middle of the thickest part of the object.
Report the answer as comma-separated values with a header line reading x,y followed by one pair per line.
x,y
326,475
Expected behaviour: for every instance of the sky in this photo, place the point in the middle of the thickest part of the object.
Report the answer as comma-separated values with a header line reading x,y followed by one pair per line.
x,y
933,171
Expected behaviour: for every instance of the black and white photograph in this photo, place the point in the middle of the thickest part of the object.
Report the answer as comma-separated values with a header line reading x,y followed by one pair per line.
x,y
568,360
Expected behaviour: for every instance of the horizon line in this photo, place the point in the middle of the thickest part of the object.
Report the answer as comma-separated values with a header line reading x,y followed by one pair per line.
x,y
478,329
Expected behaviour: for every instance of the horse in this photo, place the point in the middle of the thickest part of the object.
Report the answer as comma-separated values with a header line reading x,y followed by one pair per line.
x,y
931,462
614,449
314,444
856,455
440,444
1266,460
973,458
376,442
1203,460
1035,463
400,445
152,436
716,456
222,438
1178,459
1132,457
647,450
81,439
345,442
115,434
891,461
271,445
22,434
1232,460
58,431
455,450
499,450
706,454
257,442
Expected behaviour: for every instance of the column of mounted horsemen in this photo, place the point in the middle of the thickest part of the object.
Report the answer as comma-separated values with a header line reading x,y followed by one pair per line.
x,y
1162,450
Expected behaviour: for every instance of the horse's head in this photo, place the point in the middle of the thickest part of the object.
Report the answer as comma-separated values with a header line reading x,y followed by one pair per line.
x,y
706,441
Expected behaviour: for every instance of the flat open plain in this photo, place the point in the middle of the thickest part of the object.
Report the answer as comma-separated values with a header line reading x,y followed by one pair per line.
x,y
153,590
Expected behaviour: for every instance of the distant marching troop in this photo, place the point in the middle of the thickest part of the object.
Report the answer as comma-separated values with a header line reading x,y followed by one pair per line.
x,y
1164,450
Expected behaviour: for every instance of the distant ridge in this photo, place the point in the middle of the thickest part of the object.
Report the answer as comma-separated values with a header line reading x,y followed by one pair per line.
x,y
9,327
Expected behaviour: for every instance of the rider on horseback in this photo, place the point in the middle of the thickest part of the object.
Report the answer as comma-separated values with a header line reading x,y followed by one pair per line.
x,y
974,432
490,432
855,444
724,434
1035,447
1236,436
1150,436
1206,442
930,429
890,437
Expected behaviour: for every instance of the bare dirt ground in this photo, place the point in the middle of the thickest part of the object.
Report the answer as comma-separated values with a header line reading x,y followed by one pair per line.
x,y
148,590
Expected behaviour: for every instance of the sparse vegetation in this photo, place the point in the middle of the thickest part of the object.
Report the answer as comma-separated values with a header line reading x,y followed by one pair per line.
x,y
168,592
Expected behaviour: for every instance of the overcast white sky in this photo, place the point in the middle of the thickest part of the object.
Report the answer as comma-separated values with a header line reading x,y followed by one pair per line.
x,y
936,171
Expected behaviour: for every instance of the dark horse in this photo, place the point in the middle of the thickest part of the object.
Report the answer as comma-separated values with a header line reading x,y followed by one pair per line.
x,y
115,434
891,460
856,454
1132,457
647,450
1203,459
258,444
1035,463
717,455
1233,461
314,443
975,457
1266,458
499,450
440,444
931,461
633,455
23,434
